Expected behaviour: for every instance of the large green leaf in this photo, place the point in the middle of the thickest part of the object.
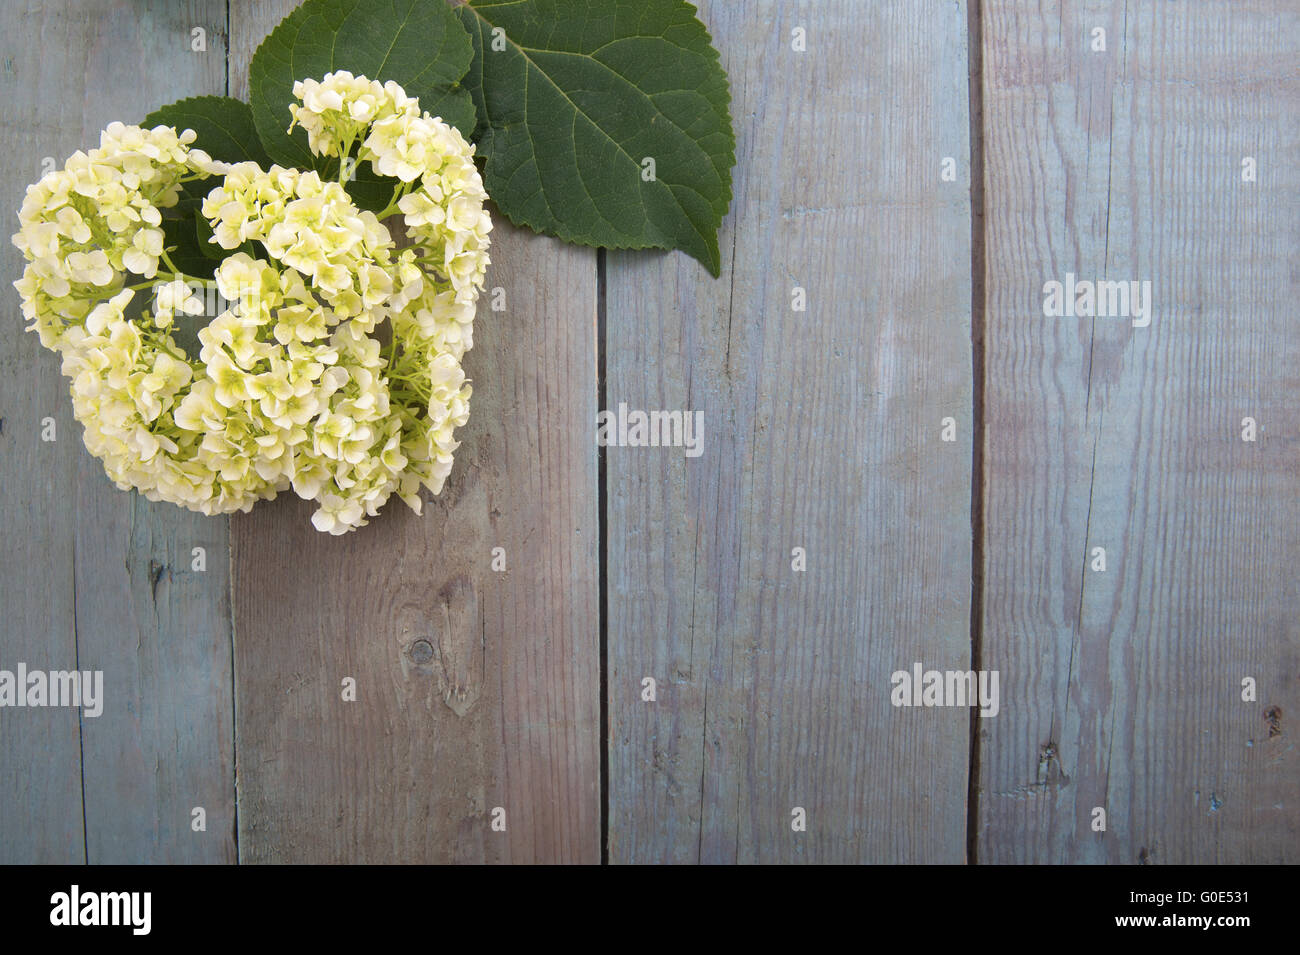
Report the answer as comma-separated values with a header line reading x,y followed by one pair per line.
x,y
575,95
419,44
224,130
181,236
224,127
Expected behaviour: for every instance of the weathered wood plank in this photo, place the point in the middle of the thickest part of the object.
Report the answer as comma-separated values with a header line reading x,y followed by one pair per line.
x,y
92,577
475,689
1122,689
821,431
42,819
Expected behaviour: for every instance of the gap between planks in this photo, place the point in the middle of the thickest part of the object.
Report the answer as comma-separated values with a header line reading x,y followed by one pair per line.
x,y
975,89
602,550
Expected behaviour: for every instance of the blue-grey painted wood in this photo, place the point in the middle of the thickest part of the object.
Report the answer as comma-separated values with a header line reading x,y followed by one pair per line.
x,y
1123,688
822,431
41,817
477,689
92,577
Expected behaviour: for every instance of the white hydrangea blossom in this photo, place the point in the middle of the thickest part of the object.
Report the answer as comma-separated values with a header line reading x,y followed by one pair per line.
x,y
334,370
436,281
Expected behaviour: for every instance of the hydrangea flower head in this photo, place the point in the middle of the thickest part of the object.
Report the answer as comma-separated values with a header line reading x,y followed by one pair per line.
x,y
332,364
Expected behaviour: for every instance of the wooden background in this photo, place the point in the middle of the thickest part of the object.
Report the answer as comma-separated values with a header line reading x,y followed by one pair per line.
x,y
522,690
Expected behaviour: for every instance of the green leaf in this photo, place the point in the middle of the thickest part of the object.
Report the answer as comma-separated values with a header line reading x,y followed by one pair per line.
x,y
368,189
181,235
574,95
224,127
203,233
419,44
455,107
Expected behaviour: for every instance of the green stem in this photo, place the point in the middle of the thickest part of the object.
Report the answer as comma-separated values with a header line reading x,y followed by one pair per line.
x,y
171,277
343,160
398,195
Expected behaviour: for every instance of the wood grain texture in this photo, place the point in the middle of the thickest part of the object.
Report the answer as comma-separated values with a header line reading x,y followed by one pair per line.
x,y
92,577
1122,689
475,689
821,431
